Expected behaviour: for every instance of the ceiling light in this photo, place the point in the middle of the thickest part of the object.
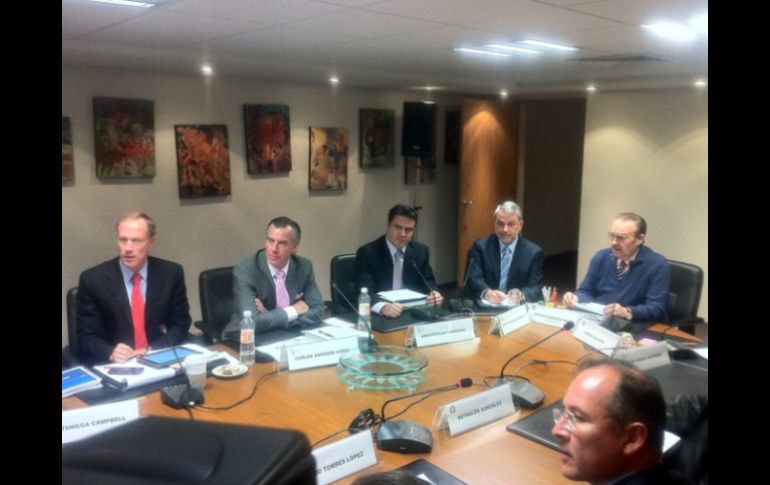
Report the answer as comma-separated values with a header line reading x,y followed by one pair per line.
x,y
701,83
591,88
503,93
511,48
132,3
701,22
479,51
672,31
207,70
334,80
548,45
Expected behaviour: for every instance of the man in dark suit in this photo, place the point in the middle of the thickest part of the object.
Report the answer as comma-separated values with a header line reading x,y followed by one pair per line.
x,y
394,261
611,429
123,302
505,267
275,284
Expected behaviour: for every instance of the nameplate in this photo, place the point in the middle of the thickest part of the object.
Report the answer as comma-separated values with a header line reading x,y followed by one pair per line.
x,y
479,409
319,354
509,321
344,457
444,332
555,317
77,424
596,336
645,357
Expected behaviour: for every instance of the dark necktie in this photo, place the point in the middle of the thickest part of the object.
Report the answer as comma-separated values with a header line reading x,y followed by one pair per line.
x,y
137,313
505,266
622,269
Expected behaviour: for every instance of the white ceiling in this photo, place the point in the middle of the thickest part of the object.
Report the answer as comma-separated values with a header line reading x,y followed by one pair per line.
x,y
391,43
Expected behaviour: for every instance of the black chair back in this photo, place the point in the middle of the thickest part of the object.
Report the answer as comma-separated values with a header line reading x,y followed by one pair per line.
x,y
215,287
684,295
342,275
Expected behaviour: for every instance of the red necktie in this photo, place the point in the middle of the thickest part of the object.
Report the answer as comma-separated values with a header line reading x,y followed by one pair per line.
x,y
137,313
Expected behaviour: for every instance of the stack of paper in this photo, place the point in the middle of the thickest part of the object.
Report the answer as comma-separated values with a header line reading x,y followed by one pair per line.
x,y
77,379
406,297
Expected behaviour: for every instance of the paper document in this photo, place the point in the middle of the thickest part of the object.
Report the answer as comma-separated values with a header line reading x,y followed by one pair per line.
x,y
148,374
595,308
704,352
402,295
331,332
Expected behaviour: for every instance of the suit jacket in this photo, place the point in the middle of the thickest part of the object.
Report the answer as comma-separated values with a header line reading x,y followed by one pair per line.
x,y
374,268
655,475
526,272
252,279
104,310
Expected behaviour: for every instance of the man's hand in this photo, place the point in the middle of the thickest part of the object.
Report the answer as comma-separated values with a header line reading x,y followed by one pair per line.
x,y
301,307
434,298
515,296
617,310
392,310
570,299
260,306
122,353
494,296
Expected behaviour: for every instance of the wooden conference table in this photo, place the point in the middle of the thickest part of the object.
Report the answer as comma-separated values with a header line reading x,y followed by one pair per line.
x,y
317,403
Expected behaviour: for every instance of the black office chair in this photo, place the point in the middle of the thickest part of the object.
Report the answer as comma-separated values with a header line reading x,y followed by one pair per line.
x,y
70,353
684,295
342,275
215,287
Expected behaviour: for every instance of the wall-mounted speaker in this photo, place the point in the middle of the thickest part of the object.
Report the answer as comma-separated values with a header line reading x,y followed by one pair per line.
x,y
418,129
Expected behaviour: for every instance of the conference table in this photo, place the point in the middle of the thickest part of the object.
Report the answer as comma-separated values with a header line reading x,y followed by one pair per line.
x,y
319,404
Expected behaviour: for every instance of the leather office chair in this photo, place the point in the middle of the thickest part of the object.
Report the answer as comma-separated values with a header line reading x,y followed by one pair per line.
x,y
342,275
684,294
215,287
69,354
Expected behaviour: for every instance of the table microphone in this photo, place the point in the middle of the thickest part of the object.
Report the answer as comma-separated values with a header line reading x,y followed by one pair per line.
x,y
526,394
183,395
433,316
368,344
408,436
459,305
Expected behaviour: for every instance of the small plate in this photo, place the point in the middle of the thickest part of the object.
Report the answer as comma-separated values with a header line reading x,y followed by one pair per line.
x,y
230,371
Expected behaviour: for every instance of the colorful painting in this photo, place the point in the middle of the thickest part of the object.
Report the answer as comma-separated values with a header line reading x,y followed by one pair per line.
x,y
203,160
377,144
452,137
268,138
124,138
328,159
426,166
67,160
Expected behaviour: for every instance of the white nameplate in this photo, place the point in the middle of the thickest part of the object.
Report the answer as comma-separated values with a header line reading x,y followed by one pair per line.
x,y
645,357
479,409
318,354
555,317
77,424
344,457
444,332
598,337
509,321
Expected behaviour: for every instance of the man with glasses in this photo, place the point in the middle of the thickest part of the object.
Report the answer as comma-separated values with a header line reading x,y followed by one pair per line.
x,y
611,429
394,261
630,279
123,303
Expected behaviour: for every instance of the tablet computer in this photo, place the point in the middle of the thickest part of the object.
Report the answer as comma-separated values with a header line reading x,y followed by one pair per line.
x,y
165,357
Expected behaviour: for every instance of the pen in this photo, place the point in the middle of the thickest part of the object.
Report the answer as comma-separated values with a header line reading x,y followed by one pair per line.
x,y
325,333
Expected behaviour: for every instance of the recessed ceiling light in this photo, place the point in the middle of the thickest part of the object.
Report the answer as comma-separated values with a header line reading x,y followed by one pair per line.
x,y
511,48
701,83
591,88
334,80
207,70
548,45
132,3
503,93
480,51
672,31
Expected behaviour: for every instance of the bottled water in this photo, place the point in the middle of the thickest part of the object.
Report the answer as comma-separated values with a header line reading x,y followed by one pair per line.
x,y
364,310
247,339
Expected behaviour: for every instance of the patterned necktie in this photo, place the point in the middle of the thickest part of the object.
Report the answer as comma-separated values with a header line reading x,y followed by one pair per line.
x,y
505,266
281,295
398,269
622,269
137,313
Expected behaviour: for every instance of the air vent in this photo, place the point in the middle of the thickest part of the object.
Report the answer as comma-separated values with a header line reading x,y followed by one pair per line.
x,y
626,58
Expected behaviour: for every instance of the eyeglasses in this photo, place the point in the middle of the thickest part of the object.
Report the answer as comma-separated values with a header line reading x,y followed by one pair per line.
x,y
619,237
570,420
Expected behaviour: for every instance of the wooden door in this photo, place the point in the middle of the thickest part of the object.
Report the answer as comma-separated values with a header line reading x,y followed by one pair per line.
x,y
488,169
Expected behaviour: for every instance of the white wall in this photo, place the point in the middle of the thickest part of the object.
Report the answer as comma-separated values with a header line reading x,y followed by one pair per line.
x,y
207,233
647,152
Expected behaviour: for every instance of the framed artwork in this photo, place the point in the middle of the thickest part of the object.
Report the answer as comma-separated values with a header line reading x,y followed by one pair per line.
x,y
268,138
427,168
328,159
124,138
202,160
67,160
377,143
452,136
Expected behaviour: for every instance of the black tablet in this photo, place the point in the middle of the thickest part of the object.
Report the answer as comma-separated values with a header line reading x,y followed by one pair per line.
x,y
166,357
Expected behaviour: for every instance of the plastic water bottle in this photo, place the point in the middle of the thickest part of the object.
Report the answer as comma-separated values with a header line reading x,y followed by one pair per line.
x,y
247,339
364,310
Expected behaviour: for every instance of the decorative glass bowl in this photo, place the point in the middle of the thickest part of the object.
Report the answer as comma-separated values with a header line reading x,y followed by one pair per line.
x,y
382,367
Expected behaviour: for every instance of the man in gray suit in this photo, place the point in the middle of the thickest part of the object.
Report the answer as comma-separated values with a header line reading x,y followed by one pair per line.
x,y
275,284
